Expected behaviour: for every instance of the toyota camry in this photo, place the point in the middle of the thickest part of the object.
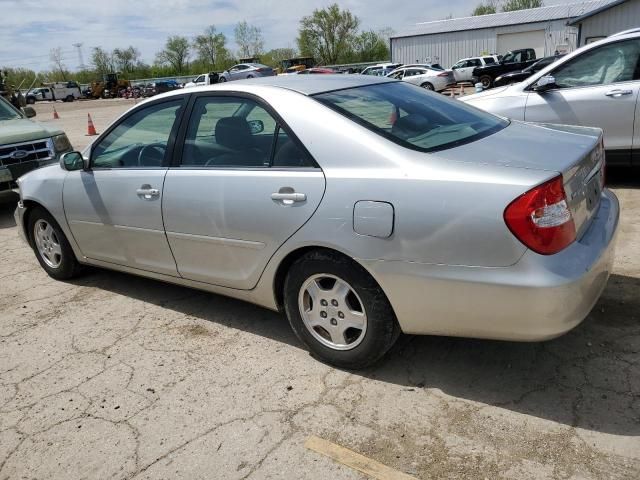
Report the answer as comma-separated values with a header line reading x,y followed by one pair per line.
x,y
362,207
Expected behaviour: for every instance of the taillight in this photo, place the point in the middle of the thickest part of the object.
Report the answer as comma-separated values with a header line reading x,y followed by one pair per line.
x,y
443,74
541,219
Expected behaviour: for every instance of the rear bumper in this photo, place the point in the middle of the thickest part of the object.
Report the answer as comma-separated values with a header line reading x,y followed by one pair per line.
x,y
538,298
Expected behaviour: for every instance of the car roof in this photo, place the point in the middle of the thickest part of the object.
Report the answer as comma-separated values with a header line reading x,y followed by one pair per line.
x,y
313,84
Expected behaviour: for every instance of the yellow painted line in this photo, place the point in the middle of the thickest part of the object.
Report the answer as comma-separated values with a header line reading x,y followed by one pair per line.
x,y
354,460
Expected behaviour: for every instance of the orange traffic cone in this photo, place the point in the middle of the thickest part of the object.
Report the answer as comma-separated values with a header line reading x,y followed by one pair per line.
x,y
55,114
91,130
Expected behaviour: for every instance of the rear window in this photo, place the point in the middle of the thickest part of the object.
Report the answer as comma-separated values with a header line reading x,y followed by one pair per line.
x,y
412,117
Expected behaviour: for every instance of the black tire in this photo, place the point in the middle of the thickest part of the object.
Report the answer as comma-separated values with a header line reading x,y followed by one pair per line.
x,y
427,86
486,81
69,266
222,80
31,100
69,98
250,76
382,329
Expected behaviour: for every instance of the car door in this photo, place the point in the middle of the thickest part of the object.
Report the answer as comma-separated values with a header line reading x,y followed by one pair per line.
x,y
114,208
598,88
462,71
241,185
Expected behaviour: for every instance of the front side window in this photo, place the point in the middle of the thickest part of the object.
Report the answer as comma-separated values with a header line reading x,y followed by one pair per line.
x,y
411,117
611,63
140,140
235,132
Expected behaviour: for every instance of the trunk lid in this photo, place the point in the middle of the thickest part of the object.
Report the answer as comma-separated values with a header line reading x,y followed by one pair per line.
x,y
575,152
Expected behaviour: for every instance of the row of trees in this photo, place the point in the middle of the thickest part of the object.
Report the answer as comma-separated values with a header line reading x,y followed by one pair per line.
x,y
330,35
494,6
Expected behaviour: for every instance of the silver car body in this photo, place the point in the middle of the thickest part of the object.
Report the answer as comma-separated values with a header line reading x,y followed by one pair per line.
x,y
431,231
614,107
423,76
242,71
463,68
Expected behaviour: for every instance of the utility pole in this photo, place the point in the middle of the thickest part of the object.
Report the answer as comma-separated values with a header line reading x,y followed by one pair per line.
x,y
81,64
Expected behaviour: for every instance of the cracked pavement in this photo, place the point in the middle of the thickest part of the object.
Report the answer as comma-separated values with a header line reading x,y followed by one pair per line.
x,y
115,376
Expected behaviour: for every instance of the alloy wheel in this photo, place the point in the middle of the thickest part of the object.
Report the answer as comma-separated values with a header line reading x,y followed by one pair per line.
x,y
47,243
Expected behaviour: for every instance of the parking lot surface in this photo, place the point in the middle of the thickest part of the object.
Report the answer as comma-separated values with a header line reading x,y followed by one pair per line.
x,y
115,376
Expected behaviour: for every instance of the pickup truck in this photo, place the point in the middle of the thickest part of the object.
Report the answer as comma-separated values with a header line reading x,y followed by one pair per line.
x,y
511,61
25,145
65,91
204,79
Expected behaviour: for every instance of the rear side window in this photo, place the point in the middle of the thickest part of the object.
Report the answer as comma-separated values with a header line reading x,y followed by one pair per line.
x,y
488,60
411,117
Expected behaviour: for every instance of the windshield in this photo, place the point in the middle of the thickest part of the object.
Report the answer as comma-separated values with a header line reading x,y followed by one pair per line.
x,y
412,117
7,112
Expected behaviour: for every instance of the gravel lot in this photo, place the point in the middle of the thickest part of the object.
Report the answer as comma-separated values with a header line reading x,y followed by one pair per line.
x,y
113,376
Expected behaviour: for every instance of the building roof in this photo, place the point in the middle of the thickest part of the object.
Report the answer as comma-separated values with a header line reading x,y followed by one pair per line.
x,y
531,15
591,13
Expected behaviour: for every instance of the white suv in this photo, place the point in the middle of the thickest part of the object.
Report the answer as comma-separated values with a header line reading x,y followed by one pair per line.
x,y
463,69
597,86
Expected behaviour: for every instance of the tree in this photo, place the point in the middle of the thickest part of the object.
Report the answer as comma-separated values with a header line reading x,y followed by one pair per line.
x,y
327,34
175,54
102,61
210,47
274,57
55,54
126,59
370,46
486,8
249,40
511,5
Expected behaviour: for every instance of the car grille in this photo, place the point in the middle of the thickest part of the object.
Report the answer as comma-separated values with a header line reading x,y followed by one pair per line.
x,y
29,152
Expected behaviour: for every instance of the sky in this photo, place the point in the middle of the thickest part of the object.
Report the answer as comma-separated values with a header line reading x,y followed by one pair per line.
x,y
36,26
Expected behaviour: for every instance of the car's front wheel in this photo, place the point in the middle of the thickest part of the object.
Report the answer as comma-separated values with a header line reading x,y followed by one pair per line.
x,y
51,246
338,310
222,80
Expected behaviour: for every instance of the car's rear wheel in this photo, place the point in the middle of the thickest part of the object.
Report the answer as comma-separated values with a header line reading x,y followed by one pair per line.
x,y
249,76
428,86
338,310
51,246
69,98
486,81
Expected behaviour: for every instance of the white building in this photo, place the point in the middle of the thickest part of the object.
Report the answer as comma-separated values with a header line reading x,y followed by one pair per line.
x,y
546,29
611,18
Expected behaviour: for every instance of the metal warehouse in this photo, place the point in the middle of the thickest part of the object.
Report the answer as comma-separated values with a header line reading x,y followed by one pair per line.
x,y
611,18
546,29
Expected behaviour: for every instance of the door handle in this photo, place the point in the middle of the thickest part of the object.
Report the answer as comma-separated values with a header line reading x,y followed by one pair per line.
x,y
288,198
618,93
147,192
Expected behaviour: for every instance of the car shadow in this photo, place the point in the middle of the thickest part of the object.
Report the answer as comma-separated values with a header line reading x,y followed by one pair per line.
x,y
623,177
7,207
585,379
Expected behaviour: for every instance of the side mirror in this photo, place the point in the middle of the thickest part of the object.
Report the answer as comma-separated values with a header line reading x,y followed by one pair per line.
x,y
29,112
72,161
256,126
545,83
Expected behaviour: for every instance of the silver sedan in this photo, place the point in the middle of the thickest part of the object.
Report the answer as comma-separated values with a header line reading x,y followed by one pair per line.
x,y
246,70
425,77
360,206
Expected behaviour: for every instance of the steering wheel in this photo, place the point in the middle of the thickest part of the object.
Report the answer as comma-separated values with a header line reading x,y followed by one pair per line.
x,y
154,152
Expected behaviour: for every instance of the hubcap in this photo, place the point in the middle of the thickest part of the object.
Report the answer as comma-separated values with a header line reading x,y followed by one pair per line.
x,y
47,243
332,312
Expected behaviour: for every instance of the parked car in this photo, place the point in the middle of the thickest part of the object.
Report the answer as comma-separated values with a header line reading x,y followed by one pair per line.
x,y
463,69
511,61
25,145
428,78
520,75
156,88
597,85
246,70
380,70
65,91
384,208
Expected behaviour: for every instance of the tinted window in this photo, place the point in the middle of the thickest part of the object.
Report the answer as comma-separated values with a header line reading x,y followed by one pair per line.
x,y
612,63
237,132
410,116
489,60
475,62
7,112
140,140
